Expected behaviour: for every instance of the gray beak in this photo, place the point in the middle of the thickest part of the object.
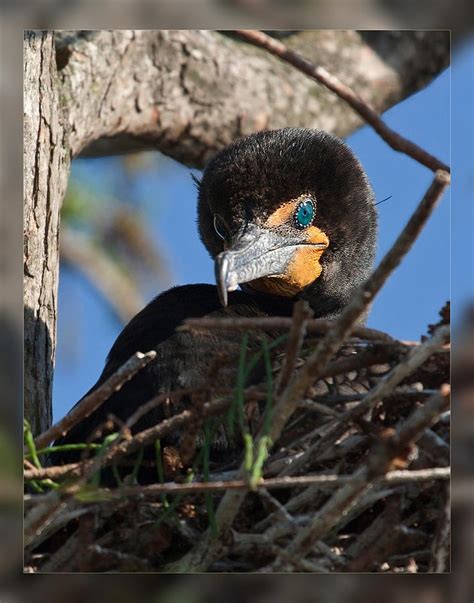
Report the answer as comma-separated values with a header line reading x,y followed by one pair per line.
x,y
255,253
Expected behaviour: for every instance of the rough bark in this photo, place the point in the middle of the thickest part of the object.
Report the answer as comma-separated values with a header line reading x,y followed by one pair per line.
x,y
186,93
46,168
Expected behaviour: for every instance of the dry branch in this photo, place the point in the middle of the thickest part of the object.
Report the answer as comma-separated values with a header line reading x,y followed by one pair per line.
x,y
89,403
368,114
316,326
281,483
189,93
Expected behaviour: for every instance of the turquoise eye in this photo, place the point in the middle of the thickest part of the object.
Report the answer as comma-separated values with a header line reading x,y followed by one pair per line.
x,y
304,214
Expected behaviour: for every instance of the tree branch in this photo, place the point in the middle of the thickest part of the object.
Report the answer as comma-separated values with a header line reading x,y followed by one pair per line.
x,y
189,93
343,91
92,401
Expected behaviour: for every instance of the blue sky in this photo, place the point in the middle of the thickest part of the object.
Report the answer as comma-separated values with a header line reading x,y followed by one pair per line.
x,y
409,301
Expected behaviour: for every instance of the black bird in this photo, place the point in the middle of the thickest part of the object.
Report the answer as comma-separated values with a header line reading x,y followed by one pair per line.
x,y
287,214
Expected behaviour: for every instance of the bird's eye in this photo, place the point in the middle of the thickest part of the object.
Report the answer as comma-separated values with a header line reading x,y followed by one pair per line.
x,y
304,214
219,227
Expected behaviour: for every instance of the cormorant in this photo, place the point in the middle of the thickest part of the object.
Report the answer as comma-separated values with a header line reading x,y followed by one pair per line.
x,y
287,214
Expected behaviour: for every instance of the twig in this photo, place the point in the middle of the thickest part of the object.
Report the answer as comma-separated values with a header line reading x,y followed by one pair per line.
x,y
439,561
397,392
89,403
358,361
435,447
122,447
424,416
308,497
383,389
41,516
125,561
344,92
301,314
315,326
276,504
59,521
53,472
156,490
377,542
62,555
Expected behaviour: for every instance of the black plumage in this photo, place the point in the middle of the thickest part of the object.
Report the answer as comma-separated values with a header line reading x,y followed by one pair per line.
x,y
255,199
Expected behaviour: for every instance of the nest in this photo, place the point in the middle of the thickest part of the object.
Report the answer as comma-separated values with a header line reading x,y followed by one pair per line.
x,y
356,480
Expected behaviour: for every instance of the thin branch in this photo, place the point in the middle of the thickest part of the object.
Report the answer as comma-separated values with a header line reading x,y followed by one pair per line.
x,y
355,362
89,403
301,314
126,444
281,483
73,469
441,546
316,326
344,92
423,417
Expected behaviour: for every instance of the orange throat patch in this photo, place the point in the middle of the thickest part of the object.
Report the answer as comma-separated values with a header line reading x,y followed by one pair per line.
x,y
303,269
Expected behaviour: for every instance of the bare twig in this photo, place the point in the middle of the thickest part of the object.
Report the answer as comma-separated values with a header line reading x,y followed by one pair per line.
x,y
316,326
435,447
439,561
368,114
377,542
42,515
89,403
301,314
363,359
121,447
424,416
52,472
157,490
62,555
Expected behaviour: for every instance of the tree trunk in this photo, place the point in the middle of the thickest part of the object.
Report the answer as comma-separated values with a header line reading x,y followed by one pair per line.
x,y
186,93
46,169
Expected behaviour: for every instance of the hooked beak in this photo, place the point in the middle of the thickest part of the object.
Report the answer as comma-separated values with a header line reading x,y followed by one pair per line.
x,y
255,253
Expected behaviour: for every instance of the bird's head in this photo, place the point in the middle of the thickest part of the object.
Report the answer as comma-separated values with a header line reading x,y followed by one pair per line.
x,y
290,213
